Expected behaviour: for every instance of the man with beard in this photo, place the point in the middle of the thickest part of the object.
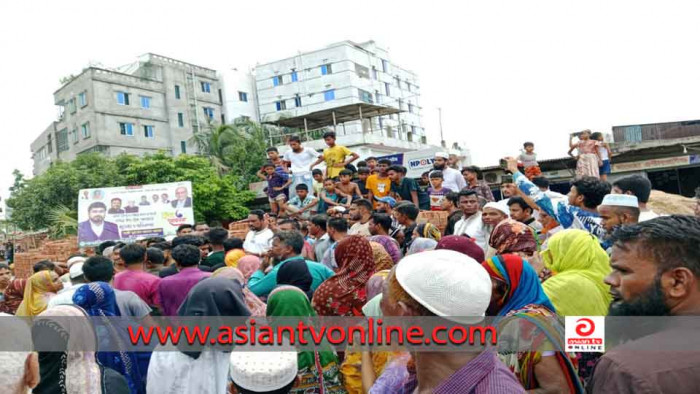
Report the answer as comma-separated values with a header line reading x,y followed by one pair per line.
x,y
95,229
453,179
360,213
618,210
257,241
655,272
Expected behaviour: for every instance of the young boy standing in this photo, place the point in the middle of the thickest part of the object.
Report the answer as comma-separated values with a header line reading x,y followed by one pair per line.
x,y
529,159
276,186
335,156
347,187
280,166
362,175
318,182
436,191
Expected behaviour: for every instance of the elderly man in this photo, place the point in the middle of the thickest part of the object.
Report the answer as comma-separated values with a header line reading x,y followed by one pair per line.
x,y
182,200
655,272
453,179
455,277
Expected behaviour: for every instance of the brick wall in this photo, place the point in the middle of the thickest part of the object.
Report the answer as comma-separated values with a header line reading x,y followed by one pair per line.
x,y
58,250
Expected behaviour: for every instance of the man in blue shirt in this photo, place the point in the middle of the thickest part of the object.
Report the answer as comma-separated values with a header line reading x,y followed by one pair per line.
x,y
286,246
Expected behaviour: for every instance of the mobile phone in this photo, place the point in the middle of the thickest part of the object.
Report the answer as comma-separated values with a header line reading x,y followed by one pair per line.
x,y
506,179
503,163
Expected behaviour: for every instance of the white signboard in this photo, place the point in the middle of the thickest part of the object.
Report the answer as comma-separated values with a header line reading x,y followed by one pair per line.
x,y
418,162
133,212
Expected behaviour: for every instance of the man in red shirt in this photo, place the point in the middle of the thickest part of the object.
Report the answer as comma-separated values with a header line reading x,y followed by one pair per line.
x,y
134,277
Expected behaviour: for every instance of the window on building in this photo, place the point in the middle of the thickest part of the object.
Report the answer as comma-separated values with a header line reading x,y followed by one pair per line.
x,y
400,104
385,66
223,118
377,97
414,129
206,87
277,80
85,130
209,112
180,119
49,143
381,123
374,73
281,105
62,141
326,69
148,131
329,95
410,107
82,99
177,92
74,135
361,71
71,106
398,81
297,101
365,96
126,128
145,101
387,88
122,98
295,77
408,86
243,96
183,147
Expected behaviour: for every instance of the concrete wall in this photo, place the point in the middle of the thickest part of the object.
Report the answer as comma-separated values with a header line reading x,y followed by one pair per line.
x,y
239,81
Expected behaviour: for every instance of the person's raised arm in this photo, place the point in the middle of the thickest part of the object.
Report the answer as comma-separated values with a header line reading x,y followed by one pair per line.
x,y
260,175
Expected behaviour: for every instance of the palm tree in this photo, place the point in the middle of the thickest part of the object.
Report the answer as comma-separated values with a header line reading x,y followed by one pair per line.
x,y
62,221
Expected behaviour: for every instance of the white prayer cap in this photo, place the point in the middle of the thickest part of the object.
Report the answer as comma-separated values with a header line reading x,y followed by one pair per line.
x,y
458,288
108,252
75,260
75,270
620,200
444,155
263,370
501,206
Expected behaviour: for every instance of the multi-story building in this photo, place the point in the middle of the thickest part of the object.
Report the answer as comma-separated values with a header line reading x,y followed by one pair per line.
x,y
372,103
154,104
240,97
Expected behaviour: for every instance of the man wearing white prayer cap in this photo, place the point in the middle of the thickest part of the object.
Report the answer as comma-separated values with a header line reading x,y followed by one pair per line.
x,y
263,372
452,179
618,210
458,289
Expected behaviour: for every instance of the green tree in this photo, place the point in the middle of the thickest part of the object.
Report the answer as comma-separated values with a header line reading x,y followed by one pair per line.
x,y
216,197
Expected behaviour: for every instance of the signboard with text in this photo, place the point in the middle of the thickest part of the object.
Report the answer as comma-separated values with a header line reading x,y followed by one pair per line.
x,y
131,213
418,162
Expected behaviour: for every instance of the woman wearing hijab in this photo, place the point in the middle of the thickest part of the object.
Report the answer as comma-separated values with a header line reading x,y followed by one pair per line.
x,y
296,272
344,294
382,260
390,245
578,265
70,371
204,372
254,304
511,236
427,230
526,319
14,294
421,245
290,301
39,289
461,244
248,265
98,300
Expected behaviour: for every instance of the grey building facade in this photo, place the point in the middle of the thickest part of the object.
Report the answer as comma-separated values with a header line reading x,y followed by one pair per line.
x,y
154,104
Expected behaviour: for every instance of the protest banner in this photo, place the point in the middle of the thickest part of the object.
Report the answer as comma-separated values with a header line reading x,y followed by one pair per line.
x,y
131,213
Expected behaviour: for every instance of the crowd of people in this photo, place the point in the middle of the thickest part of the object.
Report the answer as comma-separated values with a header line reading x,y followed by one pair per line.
x,y
350,241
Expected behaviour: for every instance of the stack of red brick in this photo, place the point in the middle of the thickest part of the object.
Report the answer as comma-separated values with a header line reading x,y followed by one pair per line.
x,y
238,229
59,250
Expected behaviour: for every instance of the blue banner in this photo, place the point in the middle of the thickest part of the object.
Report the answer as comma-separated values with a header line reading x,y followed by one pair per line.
x,y
396,159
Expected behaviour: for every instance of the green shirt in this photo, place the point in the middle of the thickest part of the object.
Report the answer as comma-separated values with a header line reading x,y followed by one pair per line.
x,y
262,284
404,191
214,259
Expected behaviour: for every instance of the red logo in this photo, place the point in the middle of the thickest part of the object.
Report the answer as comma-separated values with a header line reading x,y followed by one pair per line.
x,y
585,327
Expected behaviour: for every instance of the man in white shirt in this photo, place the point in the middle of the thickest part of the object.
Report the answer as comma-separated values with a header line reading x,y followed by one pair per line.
x,y
300,159
639,187
258,240
471,223
452,179
360,213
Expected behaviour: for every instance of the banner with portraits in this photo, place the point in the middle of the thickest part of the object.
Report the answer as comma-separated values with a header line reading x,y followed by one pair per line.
x,y
132,213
